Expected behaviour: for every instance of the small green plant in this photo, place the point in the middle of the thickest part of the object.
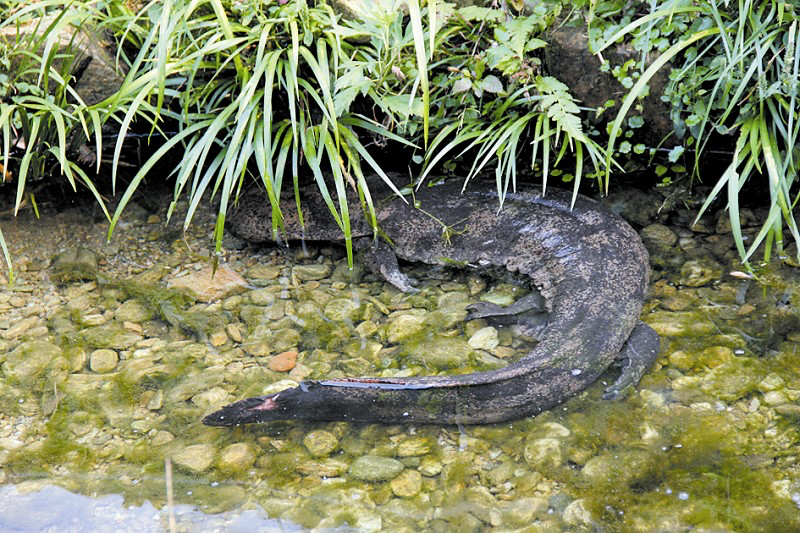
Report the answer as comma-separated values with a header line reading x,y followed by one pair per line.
x,y
735,72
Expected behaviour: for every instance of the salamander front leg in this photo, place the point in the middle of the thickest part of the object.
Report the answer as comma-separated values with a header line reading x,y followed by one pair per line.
x,y
636,356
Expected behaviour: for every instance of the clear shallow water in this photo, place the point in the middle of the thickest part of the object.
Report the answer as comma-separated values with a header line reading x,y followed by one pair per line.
x,y
708,440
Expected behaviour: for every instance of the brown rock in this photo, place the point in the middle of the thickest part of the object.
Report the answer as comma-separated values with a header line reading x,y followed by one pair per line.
x,y
207,288
283,362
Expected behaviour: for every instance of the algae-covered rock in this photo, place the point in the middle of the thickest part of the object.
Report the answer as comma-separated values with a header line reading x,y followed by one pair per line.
x,y
75,264
320,443
311,272
413,447
237,458
679,324
543,452
404,326
103,360
407,484
29,360
734,379
342,309
197,458
133,311
659,235
441,353
375,468
577,515
698,272
484,339
111,335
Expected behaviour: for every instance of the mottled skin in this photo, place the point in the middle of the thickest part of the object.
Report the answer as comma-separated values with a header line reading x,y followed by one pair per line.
x,y
589,265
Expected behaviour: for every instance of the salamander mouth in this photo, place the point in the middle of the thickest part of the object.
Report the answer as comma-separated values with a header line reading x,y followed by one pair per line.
x,y
247,411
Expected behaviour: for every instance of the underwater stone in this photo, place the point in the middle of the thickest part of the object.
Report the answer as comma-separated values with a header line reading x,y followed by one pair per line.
x,y
445,318
659,234
342,309
441,353
320,443
237,458
261,297
413,447
501,295
345,274
375,468
213,397
133,311
407,484
404,326
207,285
311,272
327,468
278,386
699,272
577,515
543,452
197,458
734,379
103,360
264,272
20,327
75,264
30,359
286,338
110,335
679,324
283,362
484,339
430,467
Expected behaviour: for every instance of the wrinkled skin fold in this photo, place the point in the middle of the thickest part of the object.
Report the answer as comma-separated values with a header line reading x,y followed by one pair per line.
x,y
588,264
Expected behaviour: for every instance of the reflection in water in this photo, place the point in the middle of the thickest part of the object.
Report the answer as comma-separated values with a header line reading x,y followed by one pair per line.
x,y
54,509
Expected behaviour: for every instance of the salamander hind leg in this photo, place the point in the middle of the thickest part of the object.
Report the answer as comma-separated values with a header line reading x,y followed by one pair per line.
x,y
636,356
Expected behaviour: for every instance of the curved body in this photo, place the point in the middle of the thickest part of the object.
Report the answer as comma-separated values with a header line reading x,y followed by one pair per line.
x,y
588,263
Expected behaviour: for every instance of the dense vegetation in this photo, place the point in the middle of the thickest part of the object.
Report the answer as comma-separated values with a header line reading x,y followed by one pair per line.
x,y
267,90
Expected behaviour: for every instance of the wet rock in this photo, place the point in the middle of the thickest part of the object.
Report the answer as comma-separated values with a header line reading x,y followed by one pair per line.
x,y
407,484
28,360
211,398
237,458
103,361
261,297
543,452
20,327
521,512
208,286
699,272
133,311
659,235
327,468
502,295
404,326
679,324
110,335
484,339
375,468
264,272
278,386
734,379
413,447
161,438
343,273
283,362
430,466
320,443
284,339
577,515
311,272
441,353
342,309
75,264
197,458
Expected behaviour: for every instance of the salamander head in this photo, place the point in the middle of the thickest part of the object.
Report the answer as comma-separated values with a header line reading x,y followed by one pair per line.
x,y
284,405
